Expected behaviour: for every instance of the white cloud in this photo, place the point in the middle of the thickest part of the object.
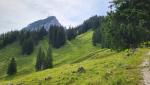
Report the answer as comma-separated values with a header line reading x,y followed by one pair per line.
x,y
16,14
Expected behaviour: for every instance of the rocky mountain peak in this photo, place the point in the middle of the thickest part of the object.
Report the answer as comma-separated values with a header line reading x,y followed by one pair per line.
x,y
46,23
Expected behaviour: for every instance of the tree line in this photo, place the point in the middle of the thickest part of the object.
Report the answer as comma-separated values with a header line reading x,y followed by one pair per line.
x,y
43,61
91,23
125,27
8,38
57,36
28,39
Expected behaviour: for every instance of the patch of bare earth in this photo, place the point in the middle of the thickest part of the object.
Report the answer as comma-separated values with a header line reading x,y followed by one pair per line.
x,y
146,70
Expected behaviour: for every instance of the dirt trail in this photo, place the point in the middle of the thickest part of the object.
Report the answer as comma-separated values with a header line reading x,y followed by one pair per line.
x,y
146,70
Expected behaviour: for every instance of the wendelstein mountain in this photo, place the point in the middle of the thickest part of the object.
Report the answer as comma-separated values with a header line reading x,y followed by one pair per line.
x,y
46,23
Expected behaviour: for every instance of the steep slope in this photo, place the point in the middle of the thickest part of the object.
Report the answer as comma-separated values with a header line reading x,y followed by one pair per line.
x,y
46,23
73,50
102,66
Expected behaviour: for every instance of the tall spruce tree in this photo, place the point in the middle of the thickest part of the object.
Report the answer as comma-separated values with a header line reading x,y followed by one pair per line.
x,y
38,60
96,37
71,33
12,68
57,36
43,61
49,58
27,46
41,33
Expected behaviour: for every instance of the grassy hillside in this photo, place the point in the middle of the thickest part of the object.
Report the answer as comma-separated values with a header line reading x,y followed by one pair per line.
x,y
102,66
81,46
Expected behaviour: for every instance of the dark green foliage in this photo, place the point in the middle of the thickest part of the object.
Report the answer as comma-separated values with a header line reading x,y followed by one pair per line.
x,y
23,36
105,34
44,61
39,60
71,33
28,39
57,36
8,38
12,68
132,19
96,39
27,46
1,43
127,26
92,23
35,37
41,33
49,59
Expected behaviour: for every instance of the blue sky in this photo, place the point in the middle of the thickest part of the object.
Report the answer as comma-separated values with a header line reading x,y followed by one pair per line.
x,y
16,14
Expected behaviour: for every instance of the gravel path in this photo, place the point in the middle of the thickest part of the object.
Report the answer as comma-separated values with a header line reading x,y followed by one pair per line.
x,y
146,70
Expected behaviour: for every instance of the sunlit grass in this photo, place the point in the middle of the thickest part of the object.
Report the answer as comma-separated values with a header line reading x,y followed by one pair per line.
x,y
75,49
102,66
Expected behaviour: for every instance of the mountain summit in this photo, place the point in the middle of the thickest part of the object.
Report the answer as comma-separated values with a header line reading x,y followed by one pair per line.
x,y
46,23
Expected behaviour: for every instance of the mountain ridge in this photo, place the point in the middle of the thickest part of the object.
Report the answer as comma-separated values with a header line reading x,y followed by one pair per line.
x,y
46,23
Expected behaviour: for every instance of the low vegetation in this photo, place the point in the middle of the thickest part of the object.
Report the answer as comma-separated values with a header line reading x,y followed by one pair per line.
x,y
26,63
79,65
104,68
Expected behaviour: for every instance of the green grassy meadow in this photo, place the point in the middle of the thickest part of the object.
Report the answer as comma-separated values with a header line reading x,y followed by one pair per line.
x,y
102,66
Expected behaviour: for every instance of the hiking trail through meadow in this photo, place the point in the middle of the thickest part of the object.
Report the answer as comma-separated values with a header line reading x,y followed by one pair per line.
x,y
146,69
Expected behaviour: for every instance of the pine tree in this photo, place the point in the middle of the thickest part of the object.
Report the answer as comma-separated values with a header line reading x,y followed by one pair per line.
x,y
96,39
12,68
41,33
127,26
57,36
8,38
35,37
27,46
92,23
41,61
38,60
44,61
49,59
71,33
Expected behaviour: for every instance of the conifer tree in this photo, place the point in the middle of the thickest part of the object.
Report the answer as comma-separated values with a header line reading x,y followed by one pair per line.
x,y
38,60
96,37
8,38
44,61
71,33
27,46
126,27
57,36
41,33
49,59
12,68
